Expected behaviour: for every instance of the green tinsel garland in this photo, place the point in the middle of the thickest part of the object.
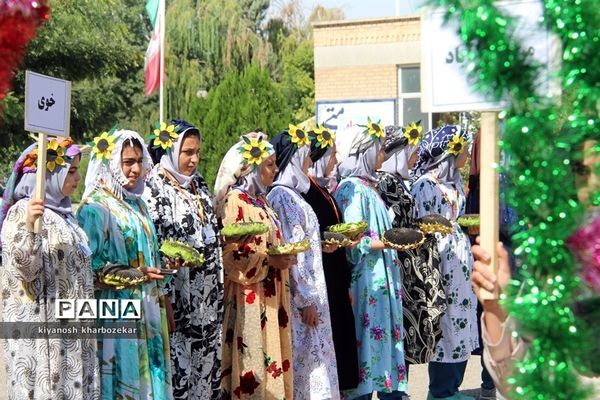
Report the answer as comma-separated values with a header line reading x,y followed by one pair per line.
x,y
542,139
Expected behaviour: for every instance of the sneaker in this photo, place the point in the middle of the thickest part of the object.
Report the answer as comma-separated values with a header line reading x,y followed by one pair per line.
x,y
455,396
487,394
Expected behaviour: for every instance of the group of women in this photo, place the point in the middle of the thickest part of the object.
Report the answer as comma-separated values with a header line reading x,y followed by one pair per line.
x,y
327,323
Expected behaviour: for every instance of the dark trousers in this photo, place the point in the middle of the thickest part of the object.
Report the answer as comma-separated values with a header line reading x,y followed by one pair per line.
x,y
445,378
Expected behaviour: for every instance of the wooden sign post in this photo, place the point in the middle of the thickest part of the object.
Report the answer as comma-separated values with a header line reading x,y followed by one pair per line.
x,y
47,111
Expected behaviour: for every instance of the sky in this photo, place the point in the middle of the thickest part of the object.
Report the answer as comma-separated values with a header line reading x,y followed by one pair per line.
x,y
359,9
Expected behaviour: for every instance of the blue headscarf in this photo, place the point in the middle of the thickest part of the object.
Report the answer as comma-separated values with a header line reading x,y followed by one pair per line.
x,y
437,152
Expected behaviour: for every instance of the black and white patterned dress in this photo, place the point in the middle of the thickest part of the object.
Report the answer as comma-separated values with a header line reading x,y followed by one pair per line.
x,y
196,294
424,298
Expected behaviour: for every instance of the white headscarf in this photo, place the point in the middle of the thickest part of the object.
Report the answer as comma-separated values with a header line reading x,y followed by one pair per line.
x,y
362,157
110,173
292,174
234,172
170,160
398,162
317,171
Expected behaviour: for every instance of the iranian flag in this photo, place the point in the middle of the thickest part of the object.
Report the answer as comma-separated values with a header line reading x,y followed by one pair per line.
x,y
153,56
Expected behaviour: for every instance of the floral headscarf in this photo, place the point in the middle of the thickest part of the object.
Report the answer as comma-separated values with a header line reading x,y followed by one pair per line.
x,y
290,158
105,164
439,150
240,166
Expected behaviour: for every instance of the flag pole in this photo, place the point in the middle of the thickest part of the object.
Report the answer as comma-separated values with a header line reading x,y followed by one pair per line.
x,y
162,21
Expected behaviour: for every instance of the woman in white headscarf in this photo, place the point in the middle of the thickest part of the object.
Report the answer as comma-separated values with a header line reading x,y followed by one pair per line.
x,y
422,289
314,363
376,285
182,209
40,268
437,188
257,348
123,243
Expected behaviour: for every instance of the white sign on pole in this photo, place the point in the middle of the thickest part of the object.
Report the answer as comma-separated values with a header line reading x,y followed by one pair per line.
x,y
47,104
444,64
340,115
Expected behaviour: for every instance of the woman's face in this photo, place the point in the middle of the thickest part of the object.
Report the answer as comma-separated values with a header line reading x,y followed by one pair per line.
x,y
462,159
72,179
412,160
268,170
307,163
189,155
132,158
379,158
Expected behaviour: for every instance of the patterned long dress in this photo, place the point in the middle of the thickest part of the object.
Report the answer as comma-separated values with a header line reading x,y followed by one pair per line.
x,y
314,362
257,348
196,294
38,269
459,323
121,232
423,295
377,293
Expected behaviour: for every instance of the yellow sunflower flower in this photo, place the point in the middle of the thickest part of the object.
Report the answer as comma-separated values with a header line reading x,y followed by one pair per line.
x,y
413,133
254,151
54,155
456,145
325,138
375,130
164,136
299,136
103,145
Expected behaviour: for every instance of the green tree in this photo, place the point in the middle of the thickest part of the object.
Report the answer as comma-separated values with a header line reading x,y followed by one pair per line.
x,y
243,102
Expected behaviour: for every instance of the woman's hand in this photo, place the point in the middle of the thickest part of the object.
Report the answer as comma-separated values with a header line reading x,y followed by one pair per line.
x,y
176,263
483,277
329,247
35,209
310,316
152,273
282,261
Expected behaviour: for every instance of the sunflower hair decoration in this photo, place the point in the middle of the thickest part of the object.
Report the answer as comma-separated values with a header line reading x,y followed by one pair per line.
x,y
254,150
323,136
456,145
299,137
374,129
55,156
414,133
103,145
163,136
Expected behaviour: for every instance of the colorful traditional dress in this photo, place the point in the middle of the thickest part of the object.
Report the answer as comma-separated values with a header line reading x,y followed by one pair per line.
x,y
377,293
37,270
314,361
196,294
257,353
459,323
423,295
121,232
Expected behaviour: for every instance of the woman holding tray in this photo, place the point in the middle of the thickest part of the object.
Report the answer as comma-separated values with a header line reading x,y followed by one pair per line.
x,y
257,348
314,362
437,188
375,283
335,266
181,208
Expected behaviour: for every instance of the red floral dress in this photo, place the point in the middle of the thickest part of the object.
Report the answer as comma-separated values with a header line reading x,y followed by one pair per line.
x,y
257,344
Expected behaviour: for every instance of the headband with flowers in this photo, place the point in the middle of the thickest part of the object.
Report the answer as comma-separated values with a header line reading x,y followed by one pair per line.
x,y
254,150
299,137
324,137
56,156
413,132
163,136
456,145
103,144
373,129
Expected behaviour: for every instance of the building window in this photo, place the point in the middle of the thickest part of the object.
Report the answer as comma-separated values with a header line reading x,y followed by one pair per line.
x,y
409,97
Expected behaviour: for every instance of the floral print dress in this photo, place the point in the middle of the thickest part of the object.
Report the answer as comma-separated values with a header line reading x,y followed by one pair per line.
x,y
459,323
314,362
38,269
196,294
121,232
377,293
257,347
